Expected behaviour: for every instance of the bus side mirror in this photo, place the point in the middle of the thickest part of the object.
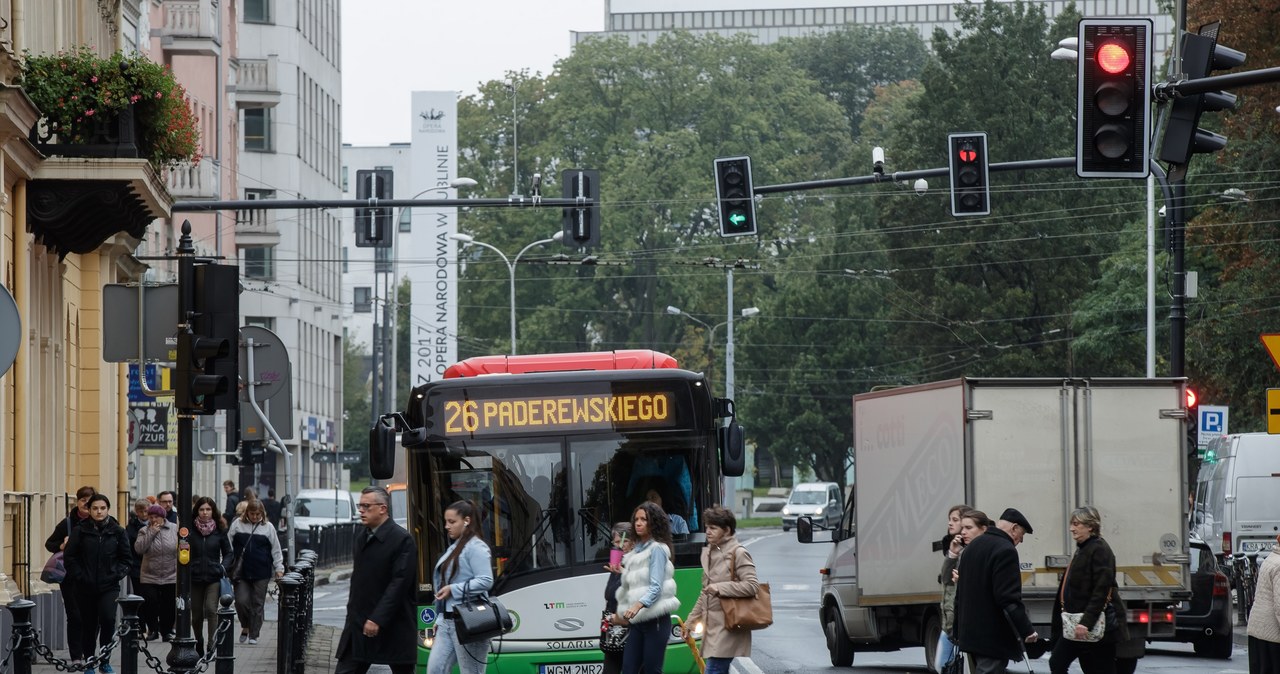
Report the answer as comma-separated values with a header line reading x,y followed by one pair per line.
x,y
382,449
733,450
804,529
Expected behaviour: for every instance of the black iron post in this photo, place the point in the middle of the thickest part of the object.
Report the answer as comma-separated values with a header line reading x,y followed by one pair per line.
x,y
1177,253
182,656
226,658
288,606
20,610
129,605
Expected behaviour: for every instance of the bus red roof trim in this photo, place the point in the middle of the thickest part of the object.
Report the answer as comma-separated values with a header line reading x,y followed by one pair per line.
x,y
628,359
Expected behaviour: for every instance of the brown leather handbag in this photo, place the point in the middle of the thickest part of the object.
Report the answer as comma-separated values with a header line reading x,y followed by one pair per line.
x,y
747,613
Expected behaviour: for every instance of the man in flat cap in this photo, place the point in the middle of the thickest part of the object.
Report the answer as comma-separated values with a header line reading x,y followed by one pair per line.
x,y
990,616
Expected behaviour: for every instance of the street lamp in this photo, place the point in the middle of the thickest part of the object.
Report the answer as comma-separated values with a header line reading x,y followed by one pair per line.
x,y
468,240
711,337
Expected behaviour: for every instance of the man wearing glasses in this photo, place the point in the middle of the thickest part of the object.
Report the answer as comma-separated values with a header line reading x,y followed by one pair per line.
x,y
165,500
381,626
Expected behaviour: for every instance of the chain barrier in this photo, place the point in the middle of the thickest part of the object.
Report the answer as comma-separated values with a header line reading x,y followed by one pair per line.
x,y
201,665
15,642
102,655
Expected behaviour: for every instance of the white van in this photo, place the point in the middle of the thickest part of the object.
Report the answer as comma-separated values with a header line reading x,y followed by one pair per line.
x,y
1237,499
818,500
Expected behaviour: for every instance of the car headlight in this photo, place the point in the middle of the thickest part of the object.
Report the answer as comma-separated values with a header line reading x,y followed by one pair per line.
x,y
819,512
786,510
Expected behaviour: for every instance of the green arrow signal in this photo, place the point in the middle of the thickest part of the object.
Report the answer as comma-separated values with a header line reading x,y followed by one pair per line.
x,y
737,219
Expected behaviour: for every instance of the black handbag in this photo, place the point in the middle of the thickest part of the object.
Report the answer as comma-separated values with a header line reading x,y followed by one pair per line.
x,y
481,618
613,638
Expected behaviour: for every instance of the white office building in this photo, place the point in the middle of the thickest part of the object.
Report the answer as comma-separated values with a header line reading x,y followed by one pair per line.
x,y
642,21
291,260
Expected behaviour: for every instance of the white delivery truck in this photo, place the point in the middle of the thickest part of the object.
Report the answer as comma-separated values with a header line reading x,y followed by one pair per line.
x,y
1043,446
1237,496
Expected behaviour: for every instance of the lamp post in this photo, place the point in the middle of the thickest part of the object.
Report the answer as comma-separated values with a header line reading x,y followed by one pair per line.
x,y
468,240
711,337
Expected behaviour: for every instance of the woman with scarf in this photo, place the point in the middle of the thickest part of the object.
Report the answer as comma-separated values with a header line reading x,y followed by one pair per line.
x,y
97,559
210,554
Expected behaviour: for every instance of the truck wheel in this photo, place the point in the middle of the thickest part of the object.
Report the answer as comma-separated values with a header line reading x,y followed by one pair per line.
x,y
932,633
838,639
1126,665
1218,646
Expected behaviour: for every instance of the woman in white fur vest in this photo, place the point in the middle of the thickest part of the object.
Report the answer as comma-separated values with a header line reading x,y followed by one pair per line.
x,y
648,592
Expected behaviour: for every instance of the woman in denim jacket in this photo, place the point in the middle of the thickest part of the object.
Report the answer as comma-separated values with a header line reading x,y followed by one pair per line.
x,y
464,571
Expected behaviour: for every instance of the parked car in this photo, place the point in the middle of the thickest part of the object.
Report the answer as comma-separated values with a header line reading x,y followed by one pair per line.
x,y
399,503
1205,620
1237,498
817,500
314,507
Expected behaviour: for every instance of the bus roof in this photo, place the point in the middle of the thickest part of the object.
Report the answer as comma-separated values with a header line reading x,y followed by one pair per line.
x,y
628,359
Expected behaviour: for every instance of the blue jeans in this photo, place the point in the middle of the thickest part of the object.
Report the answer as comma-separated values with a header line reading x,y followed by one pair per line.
x,y
718,665
447,652
646,646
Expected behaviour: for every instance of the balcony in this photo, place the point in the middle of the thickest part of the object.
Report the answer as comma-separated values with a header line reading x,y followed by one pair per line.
x,y
197,181
257,228
256,85
192,27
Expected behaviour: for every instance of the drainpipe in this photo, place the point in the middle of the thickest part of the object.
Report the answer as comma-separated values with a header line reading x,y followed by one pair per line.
x,y
22,362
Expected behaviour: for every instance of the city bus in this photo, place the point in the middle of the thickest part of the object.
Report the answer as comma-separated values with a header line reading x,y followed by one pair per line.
x,y
554,449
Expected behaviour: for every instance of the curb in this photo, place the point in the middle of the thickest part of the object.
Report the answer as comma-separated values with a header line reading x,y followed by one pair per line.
x,y
333,576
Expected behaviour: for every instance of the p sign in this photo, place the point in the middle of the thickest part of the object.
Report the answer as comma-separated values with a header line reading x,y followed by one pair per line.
x,y
1212,423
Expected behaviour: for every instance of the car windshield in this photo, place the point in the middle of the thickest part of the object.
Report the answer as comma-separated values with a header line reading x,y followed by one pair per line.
x,y
809,497
399,506
322,507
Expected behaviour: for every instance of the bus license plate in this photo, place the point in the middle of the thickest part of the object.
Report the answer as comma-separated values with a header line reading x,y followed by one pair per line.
x,y
575,668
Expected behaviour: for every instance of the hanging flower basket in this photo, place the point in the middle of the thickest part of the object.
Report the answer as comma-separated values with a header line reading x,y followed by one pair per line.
x,y
111,106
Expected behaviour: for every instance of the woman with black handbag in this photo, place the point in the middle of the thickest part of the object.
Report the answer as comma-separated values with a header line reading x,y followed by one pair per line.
x,y
465,571
613,638
1086,596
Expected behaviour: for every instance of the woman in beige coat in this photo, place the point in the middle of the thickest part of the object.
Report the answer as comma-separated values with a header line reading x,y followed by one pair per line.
x,y
727,571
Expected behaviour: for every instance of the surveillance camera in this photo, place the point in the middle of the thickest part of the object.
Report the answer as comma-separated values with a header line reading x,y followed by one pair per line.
x,y
877,160
921,186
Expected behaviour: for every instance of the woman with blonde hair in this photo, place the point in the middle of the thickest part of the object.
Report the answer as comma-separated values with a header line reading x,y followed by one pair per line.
x,y
257,560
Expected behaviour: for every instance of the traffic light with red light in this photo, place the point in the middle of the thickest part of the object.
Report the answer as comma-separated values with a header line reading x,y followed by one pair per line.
x,y
1201,54
735,196
1113,98
970,191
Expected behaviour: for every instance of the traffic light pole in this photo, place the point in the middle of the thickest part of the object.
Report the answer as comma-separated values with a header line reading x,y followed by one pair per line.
x,y
281,204
182,651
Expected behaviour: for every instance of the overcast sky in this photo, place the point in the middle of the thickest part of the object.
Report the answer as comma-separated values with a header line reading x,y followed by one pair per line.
x,y
393,47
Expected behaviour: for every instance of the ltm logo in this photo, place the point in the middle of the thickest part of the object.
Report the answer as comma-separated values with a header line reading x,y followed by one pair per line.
x,y
553,604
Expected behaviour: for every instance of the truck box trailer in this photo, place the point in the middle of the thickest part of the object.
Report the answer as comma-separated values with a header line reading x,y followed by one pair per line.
x,y
1043,446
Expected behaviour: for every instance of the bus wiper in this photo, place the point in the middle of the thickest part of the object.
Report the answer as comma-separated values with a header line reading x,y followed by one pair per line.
x,y
601,530
529,547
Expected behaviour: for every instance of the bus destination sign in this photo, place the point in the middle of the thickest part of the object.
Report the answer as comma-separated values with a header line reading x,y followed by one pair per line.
x,y
556,413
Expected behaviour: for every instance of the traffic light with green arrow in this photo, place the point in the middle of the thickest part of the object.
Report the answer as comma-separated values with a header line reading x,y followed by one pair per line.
x,y
735,197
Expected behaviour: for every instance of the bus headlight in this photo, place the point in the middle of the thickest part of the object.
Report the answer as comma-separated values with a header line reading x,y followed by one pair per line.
x,y
427,637
697,631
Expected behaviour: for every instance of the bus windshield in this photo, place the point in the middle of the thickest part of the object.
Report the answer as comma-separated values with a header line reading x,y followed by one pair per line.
x,y
549,503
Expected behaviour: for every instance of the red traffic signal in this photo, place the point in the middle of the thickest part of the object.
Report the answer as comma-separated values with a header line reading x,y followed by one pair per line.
x,y
970,192
1192,398
1113,98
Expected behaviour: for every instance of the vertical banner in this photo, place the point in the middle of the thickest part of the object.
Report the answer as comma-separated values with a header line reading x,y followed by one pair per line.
x,y
430,259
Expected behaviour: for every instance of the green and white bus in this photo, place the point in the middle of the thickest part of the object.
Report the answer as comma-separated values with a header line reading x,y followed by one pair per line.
x,y
554,449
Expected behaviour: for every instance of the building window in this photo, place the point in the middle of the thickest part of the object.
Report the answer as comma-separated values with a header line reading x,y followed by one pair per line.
x,y
344,178
268,322
406,220
363,300
346,260
259,262
257,11
257,129
382,260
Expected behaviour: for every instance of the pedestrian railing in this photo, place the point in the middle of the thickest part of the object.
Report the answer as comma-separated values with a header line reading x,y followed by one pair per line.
x,y
333,544
297,590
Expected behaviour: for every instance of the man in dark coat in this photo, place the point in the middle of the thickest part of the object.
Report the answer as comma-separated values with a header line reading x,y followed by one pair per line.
x,y
990,617
380,626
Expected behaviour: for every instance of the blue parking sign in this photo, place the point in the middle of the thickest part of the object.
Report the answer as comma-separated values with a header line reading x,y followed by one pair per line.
x,y
1212,422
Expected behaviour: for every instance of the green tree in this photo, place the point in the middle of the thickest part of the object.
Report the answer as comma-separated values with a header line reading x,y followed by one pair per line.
x,y
355,404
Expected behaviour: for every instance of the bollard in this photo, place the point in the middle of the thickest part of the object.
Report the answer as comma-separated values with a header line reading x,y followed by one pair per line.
x,y
226,658
306,568
288,604
21,609
129,605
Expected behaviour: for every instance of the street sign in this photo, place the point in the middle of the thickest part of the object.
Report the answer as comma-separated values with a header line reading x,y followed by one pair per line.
x,y
10,330
336,457
1211,423
1273,411
120,322
1272,342
273,384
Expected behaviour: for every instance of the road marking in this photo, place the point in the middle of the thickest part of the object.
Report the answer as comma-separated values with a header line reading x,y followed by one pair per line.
x,y
746,666
797,587
762,538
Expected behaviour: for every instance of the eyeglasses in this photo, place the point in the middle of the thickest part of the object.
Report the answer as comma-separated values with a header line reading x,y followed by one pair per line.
x,y
366,506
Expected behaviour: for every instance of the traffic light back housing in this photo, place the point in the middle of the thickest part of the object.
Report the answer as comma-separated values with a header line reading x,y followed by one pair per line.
x,y
967,159
1201,55
735,196
581,224
1113,98
373,225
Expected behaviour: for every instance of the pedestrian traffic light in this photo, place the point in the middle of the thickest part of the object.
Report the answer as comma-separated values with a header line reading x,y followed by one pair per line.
x,y
250,452
581,223
1113,99
970,191
194,388
216,314
1201,54
735,196
373,223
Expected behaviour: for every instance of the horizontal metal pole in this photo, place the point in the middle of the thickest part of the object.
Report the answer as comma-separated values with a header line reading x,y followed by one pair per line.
x,y
1228,81
278,204
897,176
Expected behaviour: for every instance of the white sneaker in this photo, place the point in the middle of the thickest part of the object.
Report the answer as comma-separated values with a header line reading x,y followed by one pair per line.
x,y
253,641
